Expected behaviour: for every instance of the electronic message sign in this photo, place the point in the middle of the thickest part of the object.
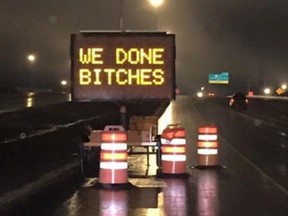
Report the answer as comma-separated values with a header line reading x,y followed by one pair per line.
x,y
122,65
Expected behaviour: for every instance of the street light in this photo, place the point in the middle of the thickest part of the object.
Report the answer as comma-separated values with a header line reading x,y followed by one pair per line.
x,y
31,59
156,4
64,86
64,82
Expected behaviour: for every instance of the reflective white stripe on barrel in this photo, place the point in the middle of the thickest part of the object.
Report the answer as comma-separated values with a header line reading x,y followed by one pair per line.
x,y
178,141
113,146
207,151
165,141
114,165
173,157
207,137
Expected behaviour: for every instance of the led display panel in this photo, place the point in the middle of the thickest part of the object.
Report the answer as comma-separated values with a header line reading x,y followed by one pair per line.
x,y
122,65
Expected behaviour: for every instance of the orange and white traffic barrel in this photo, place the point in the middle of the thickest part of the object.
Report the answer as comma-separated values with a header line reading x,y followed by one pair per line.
x,y
113,156
207,146
173,150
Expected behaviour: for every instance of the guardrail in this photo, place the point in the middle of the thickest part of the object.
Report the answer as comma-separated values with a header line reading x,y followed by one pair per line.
x,y
266,97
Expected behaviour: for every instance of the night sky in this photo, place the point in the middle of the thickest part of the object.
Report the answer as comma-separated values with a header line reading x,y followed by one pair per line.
x,y
247,38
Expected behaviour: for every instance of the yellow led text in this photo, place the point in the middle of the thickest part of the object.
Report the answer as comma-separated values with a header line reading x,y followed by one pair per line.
x,y
147,66
140,56
122,76
91,56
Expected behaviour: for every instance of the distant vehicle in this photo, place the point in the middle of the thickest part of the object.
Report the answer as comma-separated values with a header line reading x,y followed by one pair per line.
x,y
238,101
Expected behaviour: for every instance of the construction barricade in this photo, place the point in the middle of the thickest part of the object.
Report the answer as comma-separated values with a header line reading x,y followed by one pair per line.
x,y
173,150
113,156
207,146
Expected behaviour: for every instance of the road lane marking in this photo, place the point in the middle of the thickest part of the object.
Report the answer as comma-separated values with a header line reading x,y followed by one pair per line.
x,y
259,170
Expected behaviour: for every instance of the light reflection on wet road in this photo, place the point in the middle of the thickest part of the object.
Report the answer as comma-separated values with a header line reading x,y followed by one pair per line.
x,y
148,195
207,196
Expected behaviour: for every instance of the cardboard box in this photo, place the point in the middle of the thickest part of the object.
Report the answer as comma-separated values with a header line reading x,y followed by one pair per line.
x,y
142,123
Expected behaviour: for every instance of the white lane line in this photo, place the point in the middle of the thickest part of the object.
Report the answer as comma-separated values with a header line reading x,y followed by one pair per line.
x,y
280,187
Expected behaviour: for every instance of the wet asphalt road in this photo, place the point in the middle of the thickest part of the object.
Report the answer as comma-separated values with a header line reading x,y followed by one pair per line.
x,y
252,178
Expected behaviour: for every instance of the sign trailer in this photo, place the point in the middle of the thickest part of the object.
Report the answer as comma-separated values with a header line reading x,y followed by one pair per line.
x,y
122,66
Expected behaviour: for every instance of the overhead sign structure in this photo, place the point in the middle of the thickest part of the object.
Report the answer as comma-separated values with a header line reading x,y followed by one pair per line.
x,y
218,78
122,66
